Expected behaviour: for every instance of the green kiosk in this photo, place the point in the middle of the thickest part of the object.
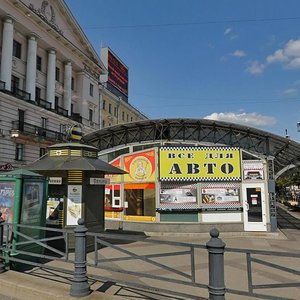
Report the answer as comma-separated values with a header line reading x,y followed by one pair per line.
x,y
23,201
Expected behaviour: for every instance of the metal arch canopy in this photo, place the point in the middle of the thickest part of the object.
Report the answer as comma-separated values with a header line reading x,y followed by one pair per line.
x,y
284,151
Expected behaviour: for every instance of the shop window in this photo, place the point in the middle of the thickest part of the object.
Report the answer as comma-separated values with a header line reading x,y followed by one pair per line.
x,y
112,197
139,199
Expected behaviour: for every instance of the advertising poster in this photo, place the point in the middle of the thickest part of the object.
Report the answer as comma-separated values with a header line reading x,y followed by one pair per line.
x,y
140,167
182,194
219,195
32,203
199,164
253,171
74,204
7,196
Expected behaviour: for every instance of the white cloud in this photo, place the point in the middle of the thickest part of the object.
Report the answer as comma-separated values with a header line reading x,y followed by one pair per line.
x,y
289,92
255,68
239,53
278,56
249,119
227,31
289,55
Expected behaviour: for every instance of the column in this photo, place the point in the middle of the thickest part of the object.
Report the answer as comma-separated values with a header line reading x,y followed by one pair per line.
x,y
31,66
7,49
51,77
68,87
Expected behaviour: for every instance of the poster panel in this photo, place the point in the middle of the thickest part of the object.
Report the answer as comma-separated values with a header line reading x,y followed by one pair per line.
x,y
180,194
140,167
253,171
7,196
74,204
219,195
32,203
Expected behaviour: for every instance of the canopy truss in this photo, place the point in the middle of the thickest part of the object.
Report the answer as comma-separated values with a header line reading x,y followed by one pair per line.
x,y
284,151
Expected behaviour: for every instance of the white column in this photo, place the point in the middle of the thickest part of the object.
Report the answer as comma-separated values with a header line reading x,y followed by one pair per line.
x,y
31,66
68,87
51,77
7,49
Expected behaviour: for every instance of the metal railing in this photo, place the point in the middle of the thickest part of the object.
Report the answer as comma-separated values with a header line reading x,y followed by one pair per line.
x,y
2,85
61,111
21,94
31,129
43,103
181,266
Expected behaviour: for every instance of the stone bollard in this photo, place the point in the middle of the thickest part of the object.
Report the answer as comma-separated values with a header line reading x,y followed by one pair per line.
x,y
2,265
80,286
216,247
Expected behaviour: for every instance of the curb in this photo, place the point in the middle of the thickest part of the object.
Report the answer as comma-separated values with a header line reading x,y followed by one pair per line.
x,y
16,286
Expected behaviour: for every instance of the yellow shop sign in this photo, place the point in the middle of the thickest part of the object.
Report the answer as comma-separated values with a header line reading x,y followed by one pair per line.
x,y
199,164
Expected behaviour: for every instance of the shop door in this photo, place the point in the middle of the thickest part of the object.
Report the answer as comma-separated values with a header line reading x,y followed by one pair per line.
x,y
254,207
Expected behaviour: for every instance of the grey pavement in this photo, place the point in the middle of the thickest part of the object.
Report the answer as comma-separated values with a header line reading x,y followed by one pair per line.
x,y
43,284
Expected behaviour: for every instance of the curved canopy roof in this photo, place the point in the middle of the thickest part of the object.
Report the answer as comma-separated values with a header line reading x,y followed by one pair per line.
x,y
286,153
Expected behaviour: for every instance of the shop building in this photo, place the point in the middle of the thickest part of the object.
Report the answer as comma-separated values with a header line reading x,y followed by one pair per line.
x,y
177,183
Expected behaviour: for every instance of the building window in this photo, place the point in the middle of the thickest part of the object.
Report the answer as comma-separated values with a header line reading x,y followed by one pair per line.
x,y
104,105
19,151
91,115
115,111
109,108
91,90
123,115
15,82
131,119
103,124
17,49
57,74
37,93
44,122
56,102
42,151
39,63
72,84
127,117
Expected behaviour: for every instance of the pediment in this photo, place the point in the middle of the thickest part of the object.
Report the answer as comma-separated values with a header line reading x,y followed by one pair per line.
x,y
58,16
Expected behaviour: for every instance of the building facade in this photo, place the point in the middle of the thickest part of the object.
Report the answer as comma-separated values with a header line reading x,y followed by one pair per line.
x,y
49,80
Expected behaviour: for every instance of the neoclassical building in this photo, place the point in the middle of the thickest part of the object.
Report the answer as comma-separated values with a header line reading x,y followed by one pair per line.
x,y
49,81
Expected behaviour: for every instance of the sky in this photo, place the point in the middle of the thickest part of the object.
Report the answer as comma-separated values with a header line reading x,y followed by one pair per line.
x,y
235,61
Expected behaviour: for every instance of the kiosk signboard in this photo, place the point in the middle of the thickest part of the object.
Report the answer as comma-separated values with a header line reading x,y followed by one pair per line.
x,y
199,164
